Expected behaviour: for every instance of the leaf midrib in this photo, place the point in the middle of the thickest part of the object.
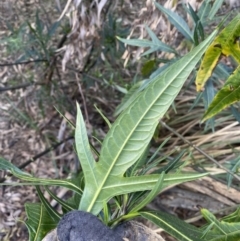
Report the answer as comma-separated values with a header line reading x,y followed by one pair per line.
x,y
106,176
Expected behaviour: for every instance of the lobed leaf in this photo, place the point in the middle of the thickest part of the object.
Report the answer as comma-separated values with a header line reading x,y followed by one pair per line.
x,y
131,133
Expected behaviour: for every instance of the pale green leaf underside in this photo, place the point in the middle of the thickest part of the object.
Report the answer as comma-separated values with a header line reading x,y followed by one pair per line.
x,y
84,152
133,130
141,183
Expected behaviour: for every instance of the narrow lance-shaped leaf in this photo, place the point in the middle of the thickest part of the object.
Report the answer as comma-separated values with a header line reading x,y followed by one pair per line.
x,y
84,153
217,4
158,43
177,21
51,211
229,94
154,45
226,43
133,130
8,166
154,192
174,226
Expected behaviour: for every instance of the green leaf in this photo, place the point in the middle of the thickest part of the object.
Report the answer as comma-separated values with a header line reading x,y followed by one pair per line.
x,y
209,62
144,43
229,94
208,95
154,45
157,44
235,113
66,206
220,231
172,225
148,67
198,30
128,98
51,212
154,192
204,11
5,165
39,222
217,4
233,217
171,164
103,116
85,156
226,43
8,166
53,28
177,21
235,167
130,134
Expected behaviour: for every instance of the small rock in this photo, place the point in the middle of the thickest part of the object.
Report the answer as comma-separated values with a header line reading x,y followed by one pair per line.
x,y
84,226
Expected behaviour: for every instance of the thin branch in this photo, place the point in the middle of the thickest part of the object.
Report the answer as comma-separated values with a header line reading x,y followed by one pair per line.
x,y
199,150
24,62
2,89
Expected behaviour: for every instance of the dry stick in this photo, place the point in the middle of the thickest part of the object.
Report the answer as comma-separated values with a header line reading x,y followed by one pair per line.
x,y
199,150
23,62
39,155
22,86
84,101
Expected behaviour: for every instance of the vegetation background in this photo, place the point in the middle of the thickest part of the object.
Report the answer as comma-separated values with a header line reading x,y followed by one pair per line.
x,y
45,68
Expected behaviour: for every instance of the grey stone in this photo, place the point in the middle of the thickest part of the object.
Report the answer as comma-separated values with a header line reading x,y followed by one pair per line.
x,y
84,226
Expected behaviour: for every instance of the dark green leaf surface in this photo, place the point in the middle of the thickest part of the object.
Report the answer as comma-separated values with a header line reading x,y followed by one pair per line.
x,y
177,228
154,192
39,222
177,21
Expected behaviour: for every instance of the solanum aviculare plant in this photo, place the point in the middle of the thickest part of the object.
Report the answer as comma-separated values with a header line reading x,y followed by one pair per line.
x,y
123,146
